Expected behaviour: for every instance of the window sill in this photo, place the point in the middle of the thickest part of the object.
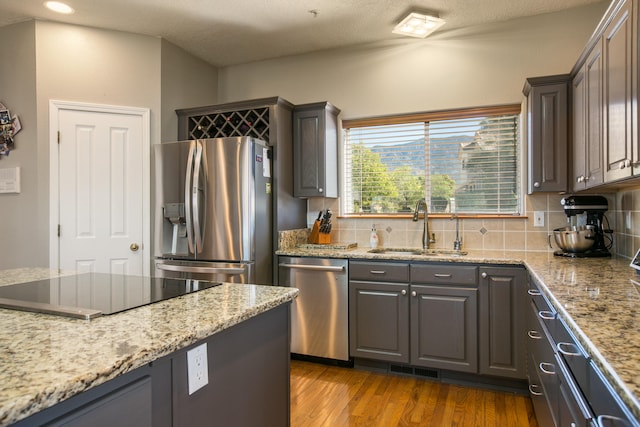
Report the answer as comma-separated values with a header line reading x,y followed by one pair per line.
x,y
433,216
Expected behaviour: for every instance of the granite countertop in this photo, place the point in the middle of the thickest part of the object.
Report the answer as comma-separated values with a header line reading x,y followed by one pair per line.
x,y
45,359
598,298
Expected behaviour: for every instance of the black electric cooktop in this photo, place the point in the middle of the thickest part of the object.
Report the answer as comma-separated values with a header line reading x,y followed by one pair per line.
x,y
90,295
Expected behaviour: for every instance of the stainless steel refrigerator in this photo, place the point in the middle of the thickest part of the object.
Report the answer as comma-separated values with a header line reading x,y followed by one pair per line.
x,y
213,210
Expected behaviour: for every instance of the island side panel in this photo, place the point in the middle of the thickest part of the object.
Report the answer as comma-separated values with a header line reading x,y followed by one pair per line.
x,y
248,376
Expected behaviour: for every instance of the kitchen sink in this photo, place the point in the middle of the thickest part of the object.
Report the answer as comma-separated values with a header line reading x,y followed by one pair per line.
x,y
417,251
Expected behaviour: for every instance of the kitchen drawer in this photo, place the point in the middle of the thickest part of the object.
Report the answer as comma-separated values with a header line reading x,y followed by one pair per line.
x,y
538,297
605,402
379,271
544,311
571,353
453,274
572,409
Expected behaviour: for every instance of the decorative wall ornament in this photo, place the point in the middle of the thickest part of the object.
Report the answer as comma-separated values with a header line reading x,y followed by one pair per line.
x,y
9,127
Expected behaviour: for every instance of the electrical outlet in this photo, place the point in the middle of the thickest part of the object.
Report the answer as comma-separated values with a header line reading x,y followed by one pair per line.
x,y
197,368
538,218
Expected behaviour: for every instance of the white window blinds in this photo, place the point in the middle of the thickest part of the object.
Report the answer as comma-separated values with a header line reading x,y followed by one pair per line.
x,y
466,163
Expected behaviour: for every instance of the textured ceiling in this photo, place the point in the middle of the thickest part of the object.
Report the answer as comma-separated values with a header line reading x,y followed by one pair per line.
x,y
226,32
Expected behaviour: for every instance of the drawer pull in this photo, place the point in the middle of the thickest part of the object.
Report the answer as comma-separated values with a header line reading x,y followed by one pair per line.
x,y
377,272
575,352
546,315
534,335
442,275
534,292
533,390
612,420
547,368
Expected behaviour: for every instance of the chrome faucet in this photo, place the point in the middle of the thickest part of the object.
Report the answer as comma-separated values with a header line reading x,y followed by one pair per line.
x,y
457,244
426,236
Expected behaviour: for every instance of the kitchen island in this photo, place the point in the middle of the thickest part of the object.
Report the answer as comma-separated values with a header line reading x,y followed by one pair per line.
x,y
598,299
47,360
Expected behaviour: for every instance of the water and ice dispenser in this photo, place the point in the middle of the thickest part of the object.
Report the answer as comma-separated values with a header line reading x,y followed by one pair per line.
x,y
174,229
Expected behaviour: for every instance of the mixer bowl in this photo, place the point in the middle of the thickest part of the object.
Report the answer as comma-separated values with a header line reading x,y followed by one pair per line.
x,y
575,238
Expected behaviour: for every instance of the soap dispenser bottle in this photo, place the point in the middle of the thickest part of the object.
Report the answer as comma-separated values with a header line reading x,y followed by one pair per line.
x,y
374,240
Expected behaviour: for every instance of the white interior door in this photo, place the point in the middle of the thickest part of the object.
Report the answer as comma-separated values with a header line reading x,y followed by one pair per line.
x,y
101,191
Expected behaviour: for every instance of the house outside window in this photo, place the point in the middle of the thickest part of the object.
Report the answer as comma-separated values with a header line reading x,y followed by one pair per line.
x,y
460,161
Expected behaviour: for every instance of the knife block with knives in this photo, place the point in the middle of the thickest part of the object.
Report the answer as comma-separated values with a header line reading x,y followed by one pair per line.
x,y
320,233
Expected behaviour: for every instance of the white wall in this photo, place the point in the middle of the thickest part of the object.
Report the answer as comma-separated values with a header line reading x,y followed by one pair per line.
x,y
484,65
186,82
19,212
72,63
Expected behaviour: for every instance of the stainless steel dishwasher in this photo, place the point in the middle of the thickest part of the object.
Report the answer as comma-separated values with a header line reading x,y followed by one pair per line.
x,y
320,313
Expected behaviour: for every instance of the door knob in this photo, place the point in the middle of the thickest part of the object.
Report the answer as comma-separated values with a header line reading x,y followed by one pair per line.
x,y
134,247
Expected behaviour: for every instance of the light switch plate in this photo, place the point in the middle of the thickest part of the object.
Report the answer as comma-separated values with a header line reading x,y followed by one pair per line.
x,y
538,218
197,368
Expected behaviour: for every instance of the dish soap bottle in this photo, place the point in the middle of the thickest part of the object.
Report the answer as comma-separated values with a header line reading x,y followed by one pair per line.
x,y
373,240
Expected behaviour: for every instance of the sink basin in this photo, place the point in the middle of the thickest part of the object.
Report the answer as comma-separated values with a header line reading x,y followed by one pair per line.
x,y
417,251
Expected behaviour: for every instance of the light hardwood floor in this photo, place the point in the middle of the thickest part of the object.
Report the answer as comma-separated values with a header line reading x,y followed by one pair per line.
x,y
330,396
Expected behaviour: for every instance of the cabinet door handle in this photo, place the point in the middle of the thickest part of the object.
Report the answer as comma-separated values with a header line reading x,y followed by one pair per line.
x,y
533,390
534,335
320,190
546,315
536,184
414,293
580,179
442,275
547,368
403,292
534,292
484,275
575,352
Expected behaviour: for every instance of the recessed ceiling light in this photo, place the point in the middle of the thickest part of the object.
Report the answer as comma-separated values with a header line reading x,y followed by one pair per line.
x,y
418,25
59,7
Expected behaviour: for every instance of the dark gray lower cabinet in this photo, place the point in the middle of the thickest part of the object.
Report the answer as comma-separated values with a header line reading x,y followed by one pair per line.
x,y
454,316
248,385
443,321
379,321
503,295
566,387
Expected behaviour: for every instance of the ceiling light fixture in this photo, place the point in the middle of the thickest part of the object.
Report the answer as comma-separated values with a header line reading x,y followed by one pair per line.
x,y
59,7
418,25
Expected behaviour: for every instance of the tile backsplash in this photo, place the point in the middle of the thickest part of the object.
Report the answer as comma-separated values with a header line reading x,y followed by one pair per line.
x,y
510,235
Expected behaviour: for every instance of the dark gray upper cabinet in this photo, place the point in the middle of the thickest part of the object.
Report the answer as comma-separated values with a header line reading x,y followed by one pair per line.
x,y
619,54
547,136
503,294
315,150
605,141
587,113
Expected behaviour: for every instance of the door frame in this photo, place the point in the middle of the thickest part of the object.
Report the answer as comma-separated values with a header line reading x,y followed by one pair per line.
x,y
55,106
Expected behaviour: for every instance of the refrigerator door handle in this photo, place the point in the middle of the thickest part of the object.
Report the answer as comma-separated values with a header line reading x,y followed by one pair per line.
x,y
187,198
195,198
191,269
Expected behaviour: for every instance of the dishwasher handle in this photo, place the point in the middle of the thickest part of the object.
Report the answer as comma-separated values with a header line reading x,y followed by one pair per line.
x,y
191,269
314,267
